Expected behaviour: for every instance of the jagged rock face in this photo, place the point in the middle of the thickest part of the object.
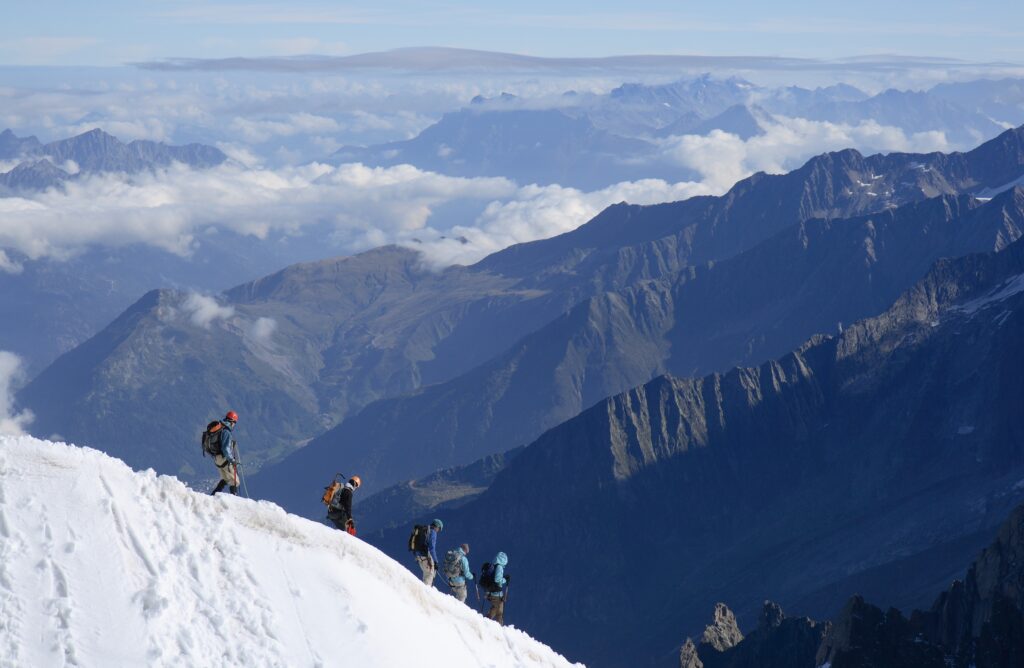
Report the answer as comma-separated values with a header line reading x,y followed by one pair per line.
x,y
739,311
405,328
777,642
688,657
865,636
847,454
969,625
93,151
723,632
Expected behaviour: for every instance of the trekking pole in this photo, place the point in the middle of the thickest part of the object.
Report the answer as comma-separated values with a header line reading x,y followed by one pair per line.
x,y
238,467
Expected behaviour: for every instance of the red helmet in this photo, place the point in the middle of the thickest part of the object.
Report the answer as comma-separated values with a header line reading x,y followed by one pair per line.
x,y
232,416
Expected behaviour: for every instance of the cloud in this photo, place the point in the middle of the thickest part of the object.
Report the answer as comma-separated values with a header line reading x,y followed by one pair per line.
x,y
723,159
8,265
203,310
167,209
11,374
539,212
261,330
293,124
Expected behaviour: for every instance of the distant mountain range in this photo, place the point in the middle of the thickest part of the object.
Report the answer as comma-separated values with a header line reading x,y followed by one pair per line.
x,y
592,141
886,455
44,166
349,332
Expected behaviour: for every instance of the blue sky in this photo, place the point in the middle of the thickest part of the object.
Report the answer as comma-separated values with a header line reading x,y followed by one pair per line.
x,y
109,32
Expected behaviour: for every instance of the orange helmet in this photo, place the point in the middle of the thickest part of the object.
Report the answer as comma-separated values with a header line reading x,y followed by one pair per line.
x,y
356,481
232,416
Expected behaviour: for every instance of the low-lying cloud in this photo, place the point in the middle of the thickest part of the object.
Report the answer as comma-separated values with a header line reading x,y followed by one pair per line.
x,y
723,159
371,206
202,310
12,374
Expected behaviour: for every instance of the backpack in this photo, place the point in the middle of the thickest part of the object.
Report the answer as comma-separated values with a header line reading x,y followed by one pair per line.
x,y
487,578
330,491
418,538
211,439
453,564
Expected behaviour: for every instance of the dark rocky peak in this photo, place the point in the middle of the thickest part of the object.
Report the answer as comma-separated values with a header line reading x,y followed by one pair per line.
x,y
688,655
863,635
777,642
723,632
771,616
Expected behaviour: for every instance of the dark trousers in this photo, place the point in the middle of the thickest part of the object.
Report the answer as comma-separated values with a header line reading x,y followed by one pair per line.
x,y
338,519
497,611
220,487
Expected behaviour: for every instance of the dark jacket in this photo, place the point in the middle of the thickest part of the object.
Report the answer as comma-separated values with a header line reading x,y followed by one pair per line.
x,y
340,508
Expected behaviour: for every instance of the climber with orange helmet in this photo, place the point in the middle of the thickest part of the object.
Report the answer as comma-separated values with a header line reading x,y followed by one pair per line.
x,y
339,510
217,441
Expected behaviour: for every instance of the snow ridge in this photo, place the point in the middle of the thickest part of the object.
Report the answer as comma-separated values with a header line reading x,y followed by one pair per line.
x,y
103,566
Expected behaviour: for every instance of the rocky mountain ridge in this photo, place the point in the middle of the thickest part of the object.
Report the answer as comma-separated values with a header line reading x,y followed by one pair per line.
x,y
891,441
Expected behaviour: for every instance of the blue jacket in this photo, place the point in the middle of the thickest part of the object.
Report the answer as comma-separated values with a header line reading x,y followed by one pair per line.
x,y
432,543
500,562
466,573
225,442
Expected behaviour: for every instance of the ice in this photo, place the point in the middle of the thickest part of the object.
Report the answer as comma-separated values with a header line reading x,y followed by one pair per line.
x,y
1008,289
104,566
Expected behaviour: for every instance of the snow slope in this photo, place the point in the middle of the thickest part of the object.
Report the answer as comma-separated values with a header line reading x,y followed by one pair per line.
x,y
103,566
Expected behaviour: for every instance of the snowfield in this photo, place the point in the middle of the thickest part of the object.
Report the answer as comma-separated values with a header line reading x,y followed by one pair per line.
x,y
104,566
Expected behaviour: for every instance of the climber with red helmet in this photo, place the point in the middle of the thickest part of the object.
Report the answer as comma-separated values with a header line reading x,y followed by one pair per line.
x,y
217,441
339,510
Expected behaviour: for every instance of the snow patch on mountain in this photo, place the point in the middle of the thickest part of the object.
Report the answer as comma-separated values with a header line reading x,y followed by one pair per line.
x,y
104,566
1008,289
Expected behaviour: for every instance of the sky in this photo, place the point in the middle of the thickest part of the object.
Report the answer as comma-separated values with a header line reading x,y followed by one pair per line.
x,y
112,32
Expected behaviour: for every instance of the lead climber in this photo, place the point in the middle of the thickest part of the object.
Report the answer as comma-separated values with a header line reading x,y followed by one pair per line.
x,y
217,442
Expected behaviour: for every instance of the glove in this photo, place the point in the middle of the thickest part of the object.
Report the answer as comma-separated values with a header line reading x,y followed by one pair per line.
x,y
508,579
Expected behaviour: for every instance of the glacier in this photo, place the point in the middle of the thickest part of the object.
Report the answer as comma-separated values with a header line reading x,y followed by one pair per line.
x,y
104,566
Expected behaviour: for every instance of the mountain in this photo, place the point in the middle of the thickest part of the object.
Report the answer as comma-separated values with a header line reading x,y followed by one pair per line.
x,y
97,151
30,176
186,579
737,120
978,621
93,151
13,147
437,492
528,146
740,311
896,442
379,325
913,112
1002,100
49,306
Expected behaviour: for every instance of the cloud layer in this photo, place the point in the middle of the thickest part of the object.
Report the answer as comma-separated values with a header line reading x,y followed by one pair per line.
x,y
11,375
366,207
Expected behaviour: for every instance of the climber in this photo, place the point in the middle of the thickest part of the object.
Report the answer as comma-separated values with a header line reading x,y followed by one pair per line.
x,y
456,569
217,441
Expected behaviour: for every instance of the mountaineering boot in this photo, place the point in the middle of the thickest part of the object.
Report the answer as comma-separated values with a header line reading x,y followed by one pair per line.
x,y
218,488
233,489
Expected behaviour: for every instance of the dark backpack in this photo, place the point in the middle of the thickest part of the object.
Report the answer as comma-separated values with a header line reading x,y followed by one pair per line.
x,y
418,539
211,439
487,578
